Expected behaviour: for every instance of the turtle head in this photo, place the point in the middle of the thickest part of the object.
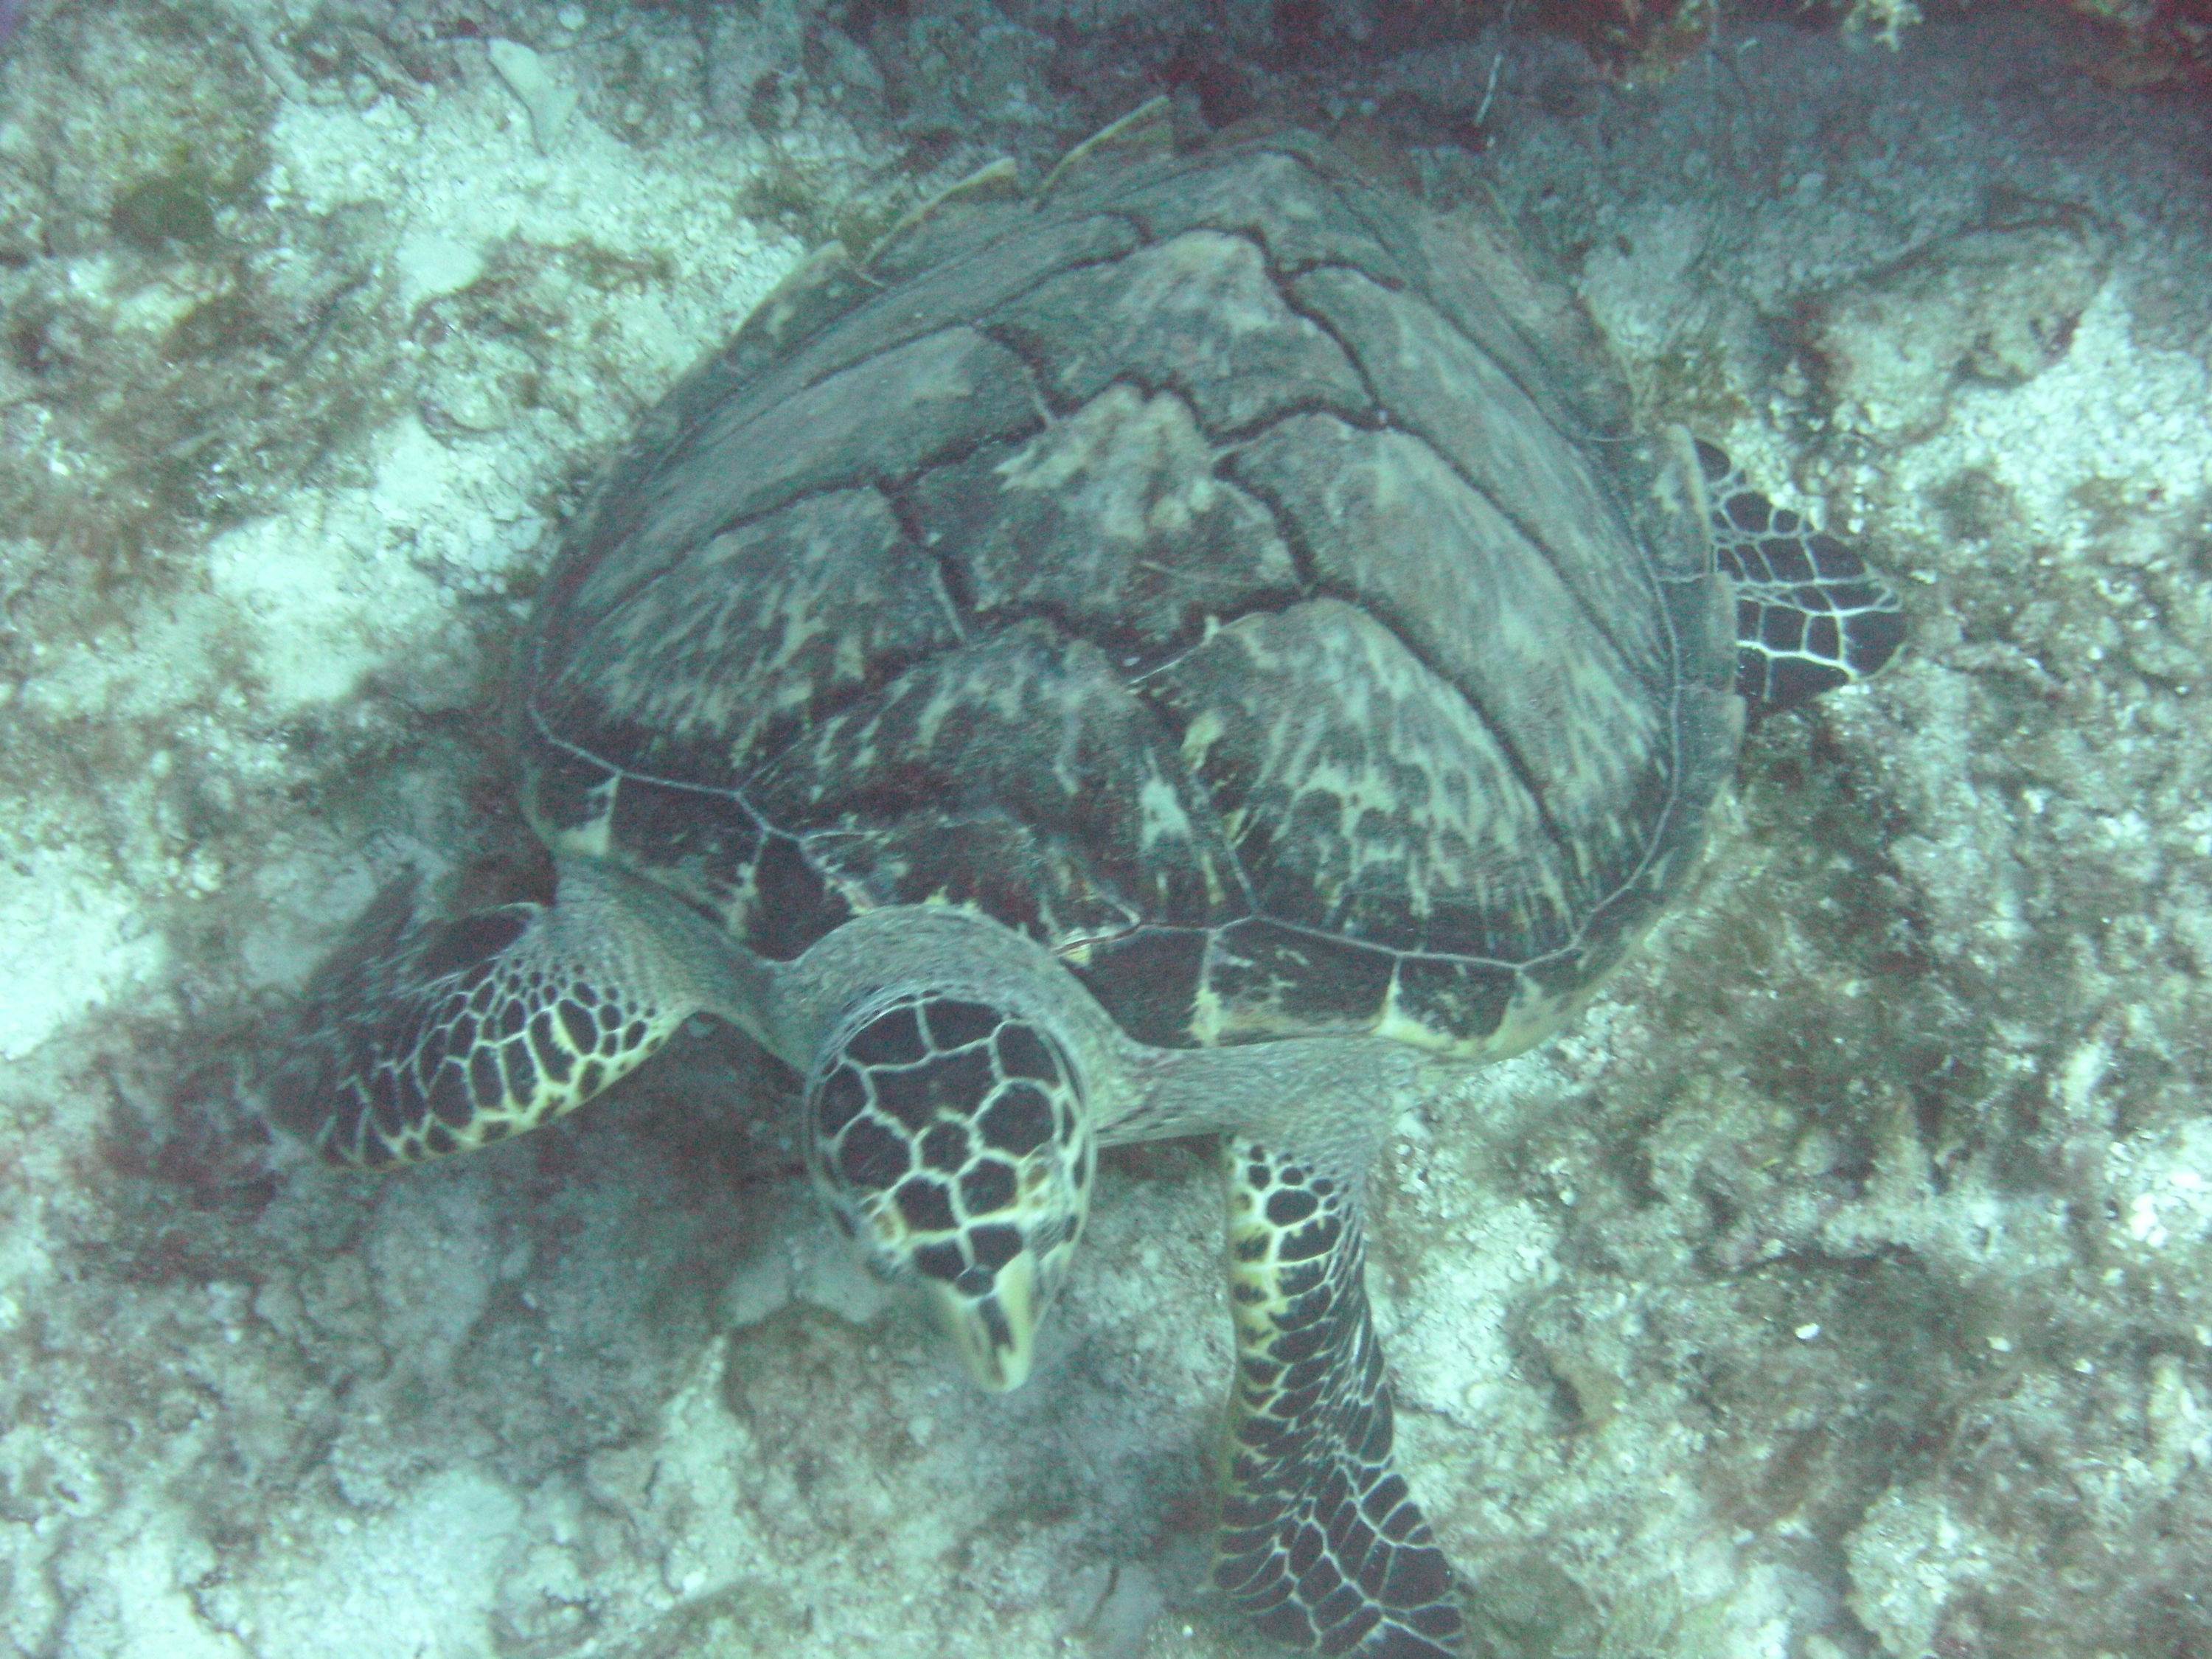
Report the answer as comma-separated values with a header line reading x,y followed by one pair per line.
x,y
949,1137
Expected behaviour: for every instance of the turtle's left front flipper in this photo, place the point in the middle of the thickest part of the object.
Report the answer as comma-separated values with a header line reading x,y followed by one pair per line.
x,y
420,1039
1321,1544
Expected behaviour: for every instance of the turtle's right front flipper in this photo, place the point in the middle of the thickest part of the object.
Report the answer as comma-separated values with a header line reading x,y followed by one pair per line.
x,y
419,1040
1321,1545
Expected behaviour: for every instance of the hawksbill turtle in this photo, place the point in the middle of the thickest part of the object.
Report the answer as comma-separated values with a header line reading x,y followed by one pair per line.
x,y
1194,649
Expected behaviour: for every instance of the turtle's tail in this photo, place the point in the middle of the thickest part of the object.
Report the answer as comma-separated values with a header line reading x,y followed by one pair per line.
x,y
419,1039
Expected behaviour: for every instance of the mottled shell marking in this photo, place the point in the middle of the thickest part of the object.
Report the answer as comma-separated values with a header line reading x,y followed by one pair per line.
x,y
1207,569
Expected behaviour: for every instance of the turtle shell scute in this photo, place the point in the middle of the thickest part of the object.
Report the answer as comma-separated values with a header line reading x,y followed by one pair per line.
x,y
1224,570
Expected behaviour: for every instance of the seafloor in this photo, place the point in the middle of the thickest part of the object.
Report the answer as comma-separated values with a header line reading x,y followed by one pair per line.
x,y
1840,1286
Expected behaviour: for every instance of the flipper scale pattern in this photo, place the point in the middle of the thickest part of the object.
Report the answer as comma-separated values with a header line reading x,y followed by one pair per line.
x,y
1321,1544
422,1041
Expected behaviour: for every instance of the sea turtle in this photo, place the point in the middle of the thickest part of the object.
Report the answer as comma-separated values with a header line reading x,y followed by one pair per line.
x,y
1194,649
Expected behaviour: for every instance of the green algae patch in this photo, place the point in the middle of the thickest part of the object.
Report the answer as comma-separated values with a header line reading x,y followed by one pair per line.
x,y
176,208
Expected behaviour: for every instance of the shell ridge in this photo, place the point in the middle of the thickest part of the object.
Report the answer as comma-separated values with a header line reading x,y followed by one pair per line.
x,y
1527,291
1276,784
1406,952
773,738
1145,131
1384,417
1251,222
985,323
952,582
744,870
1591,612
987,253
624,771
1664,839
1697,770
1009,339
1386,615
1378,405
1293,535
882,484
744,461
634,585
1233,437
1132,447
1173,726
1310,153
1200,305
1599,616
814,294
792,372
1070,798
621,770
1135,665
993,184
1096,193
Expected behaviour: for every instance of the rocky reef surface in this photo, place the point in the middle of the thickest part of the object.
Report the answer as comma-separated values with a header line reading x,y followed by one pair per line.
x,y
1839,1287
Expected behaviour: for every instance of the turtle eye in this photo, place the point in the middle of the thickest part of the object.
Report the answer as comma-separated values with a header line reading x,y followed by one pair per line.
x,y
948,1136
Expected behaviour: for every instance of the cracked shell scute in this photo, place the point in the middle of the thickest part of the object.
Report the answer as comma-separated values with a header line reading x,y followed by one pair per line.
x,y
1218,570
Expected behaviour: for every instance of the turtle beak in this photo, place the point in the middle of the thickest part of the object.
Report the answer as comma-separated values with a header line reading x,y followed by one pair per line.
x,y
995,1325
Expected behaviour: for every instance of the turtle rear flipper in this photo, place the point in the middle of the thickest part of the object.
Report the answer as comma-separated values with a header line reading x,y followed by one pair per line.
x,y
1321,1544
1811,614
420,1039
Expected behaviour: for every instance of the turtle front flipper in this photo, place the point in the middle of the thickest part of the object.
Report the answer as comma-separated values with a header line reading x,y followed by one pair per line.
x,y
1321,1544
417,1040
